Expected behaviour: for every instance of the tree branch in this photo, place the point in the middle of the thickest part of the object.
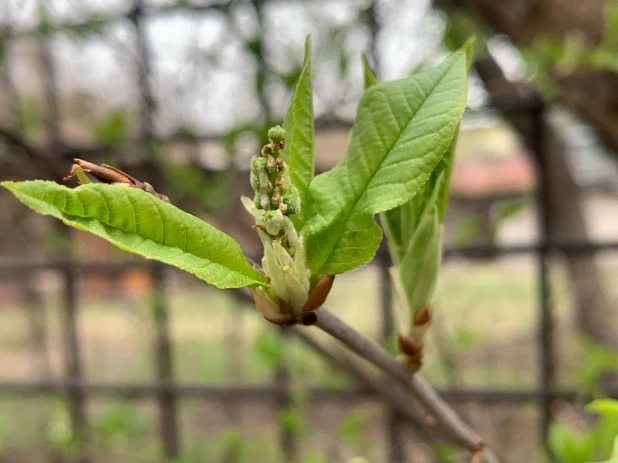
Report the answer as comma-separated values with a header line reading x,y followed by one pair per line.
x,y
378,356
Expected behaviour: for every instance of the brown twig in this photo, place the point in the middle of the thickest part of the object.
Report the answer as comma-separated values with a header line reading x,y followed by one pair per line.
x,y
378,356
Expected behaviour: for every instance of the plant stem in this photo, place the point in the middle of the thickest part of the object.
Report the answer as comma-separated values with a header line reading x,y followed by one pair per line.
x,y
378,356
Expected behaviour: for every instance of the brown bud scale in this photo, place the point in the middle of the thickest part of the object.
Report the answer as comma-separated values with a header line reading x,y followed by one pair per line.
x,y
423,316
319,293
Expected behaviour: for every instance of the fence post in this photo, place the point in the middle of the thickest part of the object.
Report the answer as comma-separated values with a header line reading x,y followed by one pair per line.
x,y
74,392
166,395
546,335
394,420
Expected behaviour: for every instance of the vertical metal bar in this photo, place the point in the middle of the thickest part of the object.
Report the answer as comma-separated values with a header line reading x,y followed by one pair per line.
x,y
163,351
143,71
51,85
13,96
284,403
75,395
394,420
546,335
164,366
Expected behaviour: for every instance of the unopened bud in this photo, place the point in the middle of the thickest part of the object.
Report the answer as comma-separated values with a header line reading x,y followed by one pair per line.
x,y
257,166
264,201
271,164
282,184
292,204
273,221
276,197
276,134
257,201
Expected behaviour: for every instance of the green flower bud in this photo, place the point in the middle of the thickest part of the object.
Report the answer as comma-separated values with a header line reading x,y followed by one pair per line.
x,y
257,201
271,164
276,199
264,201
291,234
254,177
273,222
276,133
293,205
282,184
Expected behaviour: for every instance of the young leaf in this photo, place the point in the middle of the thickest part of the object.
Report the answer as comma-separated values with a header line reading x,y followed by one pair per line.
x,y
402,129
298,124
138,222
445,166
569,446
420,262
603,407
370,78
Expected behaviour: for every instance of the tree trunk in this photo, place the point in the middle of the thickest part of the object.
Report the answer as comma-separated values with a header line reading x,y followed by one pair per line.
x,y
593,315
590,93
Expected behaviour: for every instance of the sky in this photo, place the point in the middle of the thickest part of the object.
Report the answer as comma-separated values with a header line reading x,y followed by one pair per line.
x,y
202,74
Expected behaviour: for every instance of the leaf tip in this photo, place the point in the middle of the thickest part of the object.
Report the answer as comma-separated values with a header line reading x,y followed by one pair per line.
x,y
8,184
370,78
468,50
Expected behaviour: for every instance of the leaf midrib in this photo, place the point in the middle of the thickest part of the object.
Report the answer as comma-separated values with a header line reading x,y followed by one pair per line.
x,y
160,242
352,209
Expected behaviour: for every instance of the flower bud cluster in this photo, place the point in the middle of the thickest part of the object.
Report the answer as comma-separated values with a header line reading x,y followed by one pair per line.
x,y
284,261
270,178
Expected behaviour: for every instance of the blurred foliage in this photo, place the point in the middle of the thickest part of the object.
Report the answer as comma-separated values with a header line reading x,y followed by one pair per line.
x,y
467,231
351,432
112,129
59,433
461,25
445,452
595,444
563,56
596,362
188,185
29,118
465,339
269,347
500,211
118,426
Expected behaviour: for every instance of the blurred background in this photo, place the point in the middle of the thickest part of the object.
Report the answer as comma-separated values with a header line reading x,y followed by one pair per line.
x,y
105,357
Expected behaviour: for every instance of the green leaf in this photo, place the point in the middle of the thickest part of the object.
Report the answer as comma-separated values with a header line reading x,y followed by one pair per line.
x,y
298,124
569,446
391,223
603,406
421,259
468,49
138,222
402,130
370,78
445,167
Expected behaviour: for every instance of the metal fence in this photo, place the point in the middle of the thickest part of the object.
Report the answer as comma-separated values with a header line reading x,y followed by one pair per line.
x,y
165,390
